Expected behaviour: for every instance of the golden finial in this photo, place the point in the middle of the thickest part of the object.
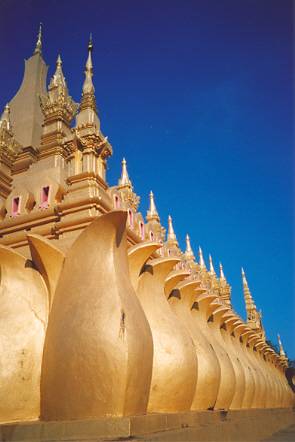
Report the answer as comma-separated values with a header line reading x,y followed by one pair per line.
x,y
222,277
90,43
212,271
124,180
202,261
282,352
152,213
188,251
88,87
38,48
58,61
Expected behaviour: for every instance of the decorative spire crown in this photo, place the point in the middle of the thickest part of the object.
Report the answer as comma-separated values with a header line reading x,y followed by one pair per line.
x,y
5,119
212,271
58,78
38,48
201,259
7,142
152,213
57,104
124,180
188,250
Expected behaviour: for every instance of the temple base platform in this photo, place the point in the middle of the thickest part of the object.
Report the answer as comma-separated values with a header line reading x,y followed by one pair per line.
x,y
214,426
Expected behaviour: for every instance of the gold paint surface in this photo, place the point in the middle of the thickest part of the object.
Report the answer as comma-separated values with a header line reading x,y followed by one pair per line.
x,y
174,363
98,351
236,360
23,319
181,300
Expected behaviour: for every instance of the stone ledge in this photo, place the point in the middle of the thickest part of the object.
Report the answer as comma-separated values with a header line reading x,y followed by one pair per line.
x,y
244,425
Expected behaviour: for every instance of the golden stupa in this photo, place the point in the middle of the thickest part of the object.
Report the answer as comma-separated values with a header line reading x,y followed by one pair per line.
x,y
101,313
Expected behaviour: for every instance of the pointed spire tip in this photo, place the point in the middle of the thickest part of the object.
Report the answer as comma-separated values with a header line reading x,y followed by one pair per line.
x,y
188,251
221,271
38,48
212,270
90,43
202,261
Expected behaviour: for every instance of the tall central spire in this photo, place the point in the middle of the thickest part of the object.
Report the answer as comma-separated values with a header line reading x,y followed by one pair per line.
x,y
26,114
87,116
38,48
88,84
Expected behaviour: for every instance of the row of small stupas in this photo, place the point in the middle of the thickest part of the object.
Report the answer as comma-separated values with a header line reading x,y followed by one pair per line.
x,y
53,177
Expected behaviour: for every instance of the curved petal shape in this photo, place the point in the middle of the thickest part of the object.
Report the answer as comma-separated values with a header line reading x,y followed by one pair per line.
x,y
48,259
182,302
23,321
259,399
227,380
98,349
250,372
173,279
234,352
174,364
247,398
137,257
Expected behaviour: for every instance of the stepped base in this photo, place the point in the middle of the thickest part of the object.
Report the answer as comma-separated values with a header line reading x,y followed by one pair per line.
x,y
235,425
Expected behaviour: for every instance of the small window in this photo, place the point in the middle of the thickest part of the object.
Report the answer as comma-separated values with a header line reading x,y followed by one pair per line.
x,y
117,202
15,209
130,218
141,230
151,235
44,199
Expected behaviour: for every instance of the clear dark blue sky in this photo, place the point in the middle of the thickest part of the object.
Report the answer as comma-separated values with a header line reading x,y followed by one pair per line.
x,y
197,95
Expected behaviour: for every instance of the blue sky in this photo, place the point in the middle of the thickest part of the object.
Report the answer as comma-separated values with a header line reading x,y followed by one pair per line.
x,y
197,95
